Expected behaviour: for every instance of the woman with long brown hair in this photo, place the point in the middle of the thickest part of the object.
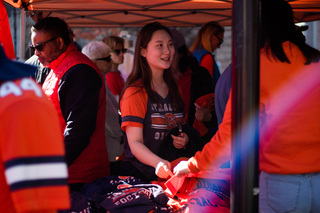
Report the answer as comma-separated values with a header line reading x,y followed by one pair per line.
x,y
151,105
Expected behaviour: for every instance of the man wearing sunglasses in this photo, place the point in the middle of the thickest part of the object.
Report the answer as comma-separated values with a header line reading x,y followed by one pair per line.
x,y
76,87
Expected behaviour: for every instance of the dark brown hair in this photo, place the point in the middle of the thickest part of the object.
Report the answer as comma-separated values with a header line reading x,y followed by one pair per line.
x,y
54,26
141,69
277,26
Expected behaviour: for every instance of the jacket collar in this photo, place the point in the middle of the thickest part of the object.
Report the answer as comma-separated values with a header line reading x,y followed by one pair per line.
x,y
11,70
54,64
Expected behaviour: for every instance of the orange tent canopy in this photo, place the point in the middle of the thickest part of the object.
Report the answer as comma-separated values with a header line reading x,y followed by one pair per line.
x,y
128,13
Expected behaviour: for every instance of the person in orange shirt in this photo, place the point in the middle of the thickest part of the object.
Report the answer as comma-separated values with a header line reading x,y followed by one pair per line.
x,y
289,118
151,105
33,172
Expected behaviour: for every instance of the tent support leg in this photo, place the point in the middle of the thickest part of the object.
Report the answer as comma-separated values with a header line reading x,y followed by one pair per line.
x,y
22,35
245,106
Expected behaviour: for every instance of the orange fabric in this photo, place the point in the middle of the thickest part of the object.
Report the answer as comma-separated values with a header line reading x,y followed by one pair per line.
x,y
5,33
23,110
290,114
207,62
201,192
289,119
136,100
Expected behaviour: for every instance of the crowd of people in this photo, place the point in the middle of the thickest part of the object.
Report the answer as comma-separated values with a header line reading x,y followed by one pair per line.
x,y
85,122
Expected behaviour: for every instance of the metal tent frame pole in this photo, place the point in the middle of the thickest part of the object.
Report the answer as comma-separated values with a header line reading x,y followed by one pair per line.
x,y
22,35
245,106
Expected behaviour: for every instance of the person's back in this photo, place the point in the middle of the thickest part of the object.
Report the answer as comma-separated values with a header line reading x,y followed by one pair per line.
x,y
33,173
290,112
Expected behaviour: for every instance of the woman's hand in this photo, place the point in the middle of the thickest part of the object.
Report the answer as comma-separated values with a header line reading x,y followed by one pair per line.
x,y
181,169
181,141
163,169
203,114
145,155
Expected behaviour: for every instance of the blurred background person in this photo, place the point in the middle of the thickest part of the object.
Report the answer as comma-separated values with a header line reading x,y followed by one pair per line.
x,y
99,53
209,38
114,78
196,86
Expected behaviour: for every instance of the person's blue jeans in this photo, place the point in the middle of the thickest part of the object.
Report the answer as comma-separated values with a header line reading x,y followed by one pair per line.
x,y
289,193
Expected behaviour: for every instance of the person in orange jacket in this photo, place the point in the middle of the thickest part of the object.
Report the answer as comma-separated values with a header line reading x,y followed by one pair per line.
x,y
289,116
151,105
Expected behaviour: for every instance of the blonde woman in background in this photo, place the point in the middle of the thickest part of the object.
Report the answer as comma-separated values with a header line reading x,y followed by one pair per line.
x,y
209,38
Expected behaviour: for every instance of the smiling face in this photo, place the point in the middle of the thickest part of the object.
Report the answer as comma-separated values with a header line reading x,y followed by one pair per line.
x,y
50,51
159,52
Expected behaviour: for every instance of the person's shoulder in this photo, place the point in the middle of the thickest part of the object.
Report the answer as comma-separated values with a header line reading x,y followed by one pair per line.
x,y
201,71
114,74
82,71
226,74
202,74
135,89
33,60
207,56
24,90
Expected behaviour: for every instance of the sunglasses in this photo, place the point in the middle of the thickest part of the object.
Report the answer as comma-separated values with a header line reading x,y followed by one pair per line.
x,y
107,59
117,51
220,39
40,46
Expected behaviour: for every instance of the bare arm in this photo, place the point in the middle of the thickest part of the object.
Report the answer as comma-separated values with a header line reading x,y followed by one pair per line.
x,y
145,155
